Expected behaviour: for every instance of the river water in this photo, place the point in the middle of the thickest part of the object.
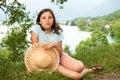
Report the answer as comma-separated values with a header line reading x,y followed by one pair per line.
x,y
72,35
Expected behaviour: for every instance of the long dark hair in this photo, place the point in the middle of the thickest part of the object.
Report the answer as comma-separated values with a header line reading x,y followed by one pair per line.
x,y
55,27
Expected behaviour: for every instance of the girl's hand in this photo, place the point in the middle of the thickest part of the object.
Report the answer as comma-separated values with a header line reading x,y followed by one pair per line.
x,y
48,45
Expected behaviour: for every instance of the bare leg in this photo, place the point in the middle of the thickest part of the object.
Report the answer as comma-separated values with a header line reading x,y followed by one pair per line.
x,y
71,63
73,74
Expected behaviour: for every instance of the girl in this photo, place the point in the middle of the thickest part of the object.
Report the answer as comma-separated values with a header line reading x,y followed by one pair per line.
x,y
47,31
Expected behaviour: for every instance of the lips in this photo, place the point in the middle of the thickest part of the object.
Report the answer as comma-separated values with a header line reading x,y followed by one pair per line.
x,y
47,23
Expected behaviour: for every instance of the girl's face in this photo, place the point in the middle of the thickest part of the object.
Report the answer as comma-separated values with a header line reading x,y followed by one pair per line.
x,y
46,20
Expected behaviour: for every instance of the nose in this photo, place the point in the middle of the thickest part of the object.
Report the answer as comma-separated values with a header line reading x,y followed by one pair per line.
x,y
47,19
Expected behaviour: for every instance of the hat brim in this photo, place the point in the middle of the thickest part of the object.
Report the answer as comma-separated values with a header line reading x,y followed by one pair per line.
x,y
29,63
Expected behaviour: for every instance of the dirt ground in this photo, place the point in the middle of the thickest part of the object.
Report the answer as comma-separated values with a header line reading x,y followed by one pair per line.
x,y
112,76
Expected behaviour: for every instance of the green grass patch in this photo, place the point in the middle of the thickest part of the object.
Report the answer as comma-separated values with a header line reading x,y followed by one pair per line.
x,y
107,56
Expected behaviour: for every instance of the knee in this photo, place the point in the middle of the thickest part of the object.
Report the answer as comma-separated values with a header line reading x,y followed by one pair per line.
x,y
78,67
81,64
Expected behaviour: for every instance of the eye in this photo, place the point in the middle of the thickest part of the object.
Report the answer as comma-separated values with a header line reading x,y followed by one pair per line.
x,y
50,17
43,17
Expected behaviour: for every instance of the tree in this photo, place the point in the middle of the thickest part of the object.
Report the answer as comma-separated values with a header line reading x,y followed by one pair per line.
x,y
19,22
84,45
98,39
81,23
59,2
14,11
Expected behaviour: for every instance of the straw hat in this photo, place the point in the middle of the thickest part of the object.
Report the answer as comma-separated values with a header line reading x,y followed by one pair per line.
x,y
38,59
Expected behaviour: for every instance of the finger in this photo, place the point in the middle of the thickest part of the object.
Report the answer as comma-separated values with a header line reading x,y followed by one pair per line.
x,y
43,46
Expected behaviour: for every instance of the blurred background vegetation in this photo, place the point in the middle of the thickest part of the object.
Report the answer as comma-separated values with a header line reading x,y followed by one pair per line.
x,y
95,50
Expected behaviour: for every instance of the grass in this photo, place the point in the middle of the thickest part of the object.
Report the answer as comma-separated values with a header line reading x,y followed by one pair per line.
x,y
107,56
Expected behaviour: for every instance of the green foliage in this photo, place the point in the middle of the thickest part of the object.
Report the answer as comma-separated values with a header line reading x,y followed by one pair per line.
x,y
70,22
107,56
84,45
98,39
17,13
113,16
115,31
14,11
16,42
81,23
59,3
4,65
97,23
4,53
19,22
17,71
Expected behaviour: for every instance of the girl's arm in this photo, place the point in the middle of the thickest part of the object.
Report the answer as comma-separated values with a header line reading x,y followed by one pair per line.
x,y
34,38
58,47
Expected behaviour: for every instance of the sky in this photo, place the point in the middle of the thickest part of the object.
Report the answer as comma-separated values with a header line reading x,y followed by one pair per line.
x,y
73,8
